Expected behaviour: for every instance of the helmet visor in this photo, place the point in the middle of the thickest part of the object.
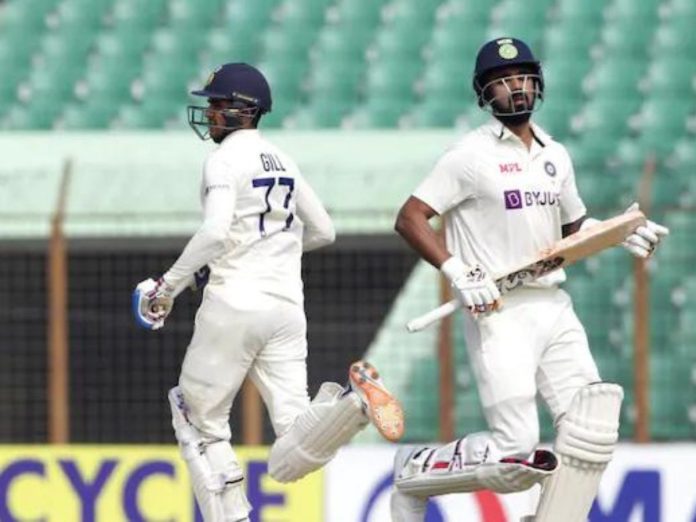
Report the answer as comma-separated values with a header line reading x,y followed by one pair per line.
x,y
209,122
512,95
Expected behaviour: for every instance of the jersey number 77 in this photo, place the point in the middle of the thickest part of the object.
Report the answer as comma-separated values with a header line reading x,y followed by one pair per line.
x,y
287,184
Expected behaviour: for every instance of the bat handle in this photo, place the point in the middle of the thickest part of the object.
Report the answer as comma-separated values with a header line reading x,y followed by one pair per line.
x,y
419,323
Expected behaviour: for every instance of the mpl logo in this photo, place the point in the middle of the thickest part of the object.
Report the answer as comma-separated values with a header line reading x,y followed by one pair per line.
x,y
509,168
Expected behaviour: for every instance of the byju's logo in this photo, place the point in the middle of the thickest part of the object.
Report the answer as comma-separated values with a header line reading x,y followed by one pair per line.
x,y
515,199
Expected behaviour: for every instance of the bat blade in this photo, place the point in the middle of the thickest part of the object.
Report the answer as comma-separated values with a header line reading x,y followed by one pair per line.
x,y
582,244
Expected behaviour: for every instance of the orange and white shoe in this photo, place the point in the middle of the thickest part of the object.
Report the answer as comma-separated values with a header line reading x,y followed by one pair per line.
x,y
383,409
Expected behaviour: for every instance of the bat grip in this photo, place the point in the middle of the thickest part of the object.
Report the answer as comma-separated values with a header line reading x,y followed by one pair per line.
x,y
419,323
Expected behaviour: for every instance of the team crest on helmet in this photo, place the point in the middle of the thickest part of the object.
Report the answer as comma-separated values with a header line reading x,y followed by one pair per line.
x,y
550,168
508,51
212,76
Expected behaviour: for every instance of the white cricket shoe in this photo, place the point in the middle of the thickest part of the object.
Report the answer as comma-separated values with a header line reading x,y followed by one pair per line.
x,y
383,409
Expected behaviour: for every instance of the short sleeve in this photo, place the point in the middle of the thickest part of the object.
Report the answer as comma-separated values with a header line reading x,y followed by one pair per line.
x,y
572,206
450,182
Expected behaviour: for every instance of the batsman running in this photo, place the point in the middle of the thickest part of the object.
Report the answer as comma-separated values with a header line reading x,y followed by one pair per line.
x,y
259,216
505,191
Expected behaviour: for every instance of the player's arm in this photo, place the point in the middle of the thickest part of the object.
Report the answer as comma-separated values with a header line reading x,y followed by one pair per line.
x,y
451,182
448,184
472,285
153,300
413,224
318,228
209,242
643,241
212,239
573,210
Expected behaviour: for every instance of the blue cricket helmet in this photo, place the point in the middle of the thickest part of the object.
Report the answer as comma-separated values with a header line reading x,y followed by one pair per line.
x,y
504,52
238,82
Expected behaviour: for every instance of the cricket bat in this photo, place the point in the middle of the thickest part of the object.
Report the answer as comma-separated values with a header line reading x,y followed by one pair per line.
x,y
582,244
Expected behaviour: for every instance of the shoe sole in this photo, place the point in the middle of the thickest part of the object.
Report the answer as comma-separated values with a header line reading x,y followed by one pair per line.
x,y
384,409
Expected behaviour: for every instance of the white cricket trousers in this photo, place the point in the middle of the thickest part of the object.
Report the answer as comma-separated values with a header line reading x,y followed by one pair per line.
x,y
267,342
535,343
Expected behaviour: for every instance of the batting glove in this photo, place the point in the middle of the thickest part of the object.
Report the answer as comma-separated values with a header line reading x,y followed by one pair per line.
x,y
152,303
643,242
471,285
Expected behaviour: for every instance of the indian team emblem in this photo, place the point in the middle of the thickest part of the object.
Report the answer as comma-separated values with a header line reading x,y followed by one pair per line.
x,y
212,76
550,168
508,51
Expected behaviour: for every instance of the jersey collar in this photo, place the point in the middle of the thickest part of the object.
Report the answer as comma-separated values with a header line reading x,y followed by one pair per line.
x,y
240,134
502,133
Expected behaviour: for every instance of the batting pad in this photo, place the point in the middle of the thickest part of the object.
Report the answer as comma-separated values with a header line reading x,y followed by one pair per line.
x,y
506,476
585,443
465,465
216,476
331,421
407,508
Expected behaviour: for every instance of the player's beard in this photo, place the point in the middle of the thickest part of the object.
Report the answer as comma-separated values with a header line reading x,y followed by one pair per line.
x,y
501,113
514,119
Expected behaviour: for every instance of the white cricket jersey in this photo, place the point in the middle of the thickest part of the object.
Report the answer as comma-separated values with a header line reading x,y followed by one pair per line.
x,y
501,202
256,199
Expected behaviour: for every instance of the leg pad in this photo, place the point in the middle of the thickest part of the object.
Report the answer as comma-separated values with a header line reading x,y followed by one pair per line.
x,y
217,478
332,420
587,436
469,464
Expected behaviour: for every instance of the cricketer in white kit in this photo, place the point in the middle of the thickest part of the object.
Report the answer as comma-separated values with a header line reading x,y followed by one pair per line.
x,y
260,215
505,191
